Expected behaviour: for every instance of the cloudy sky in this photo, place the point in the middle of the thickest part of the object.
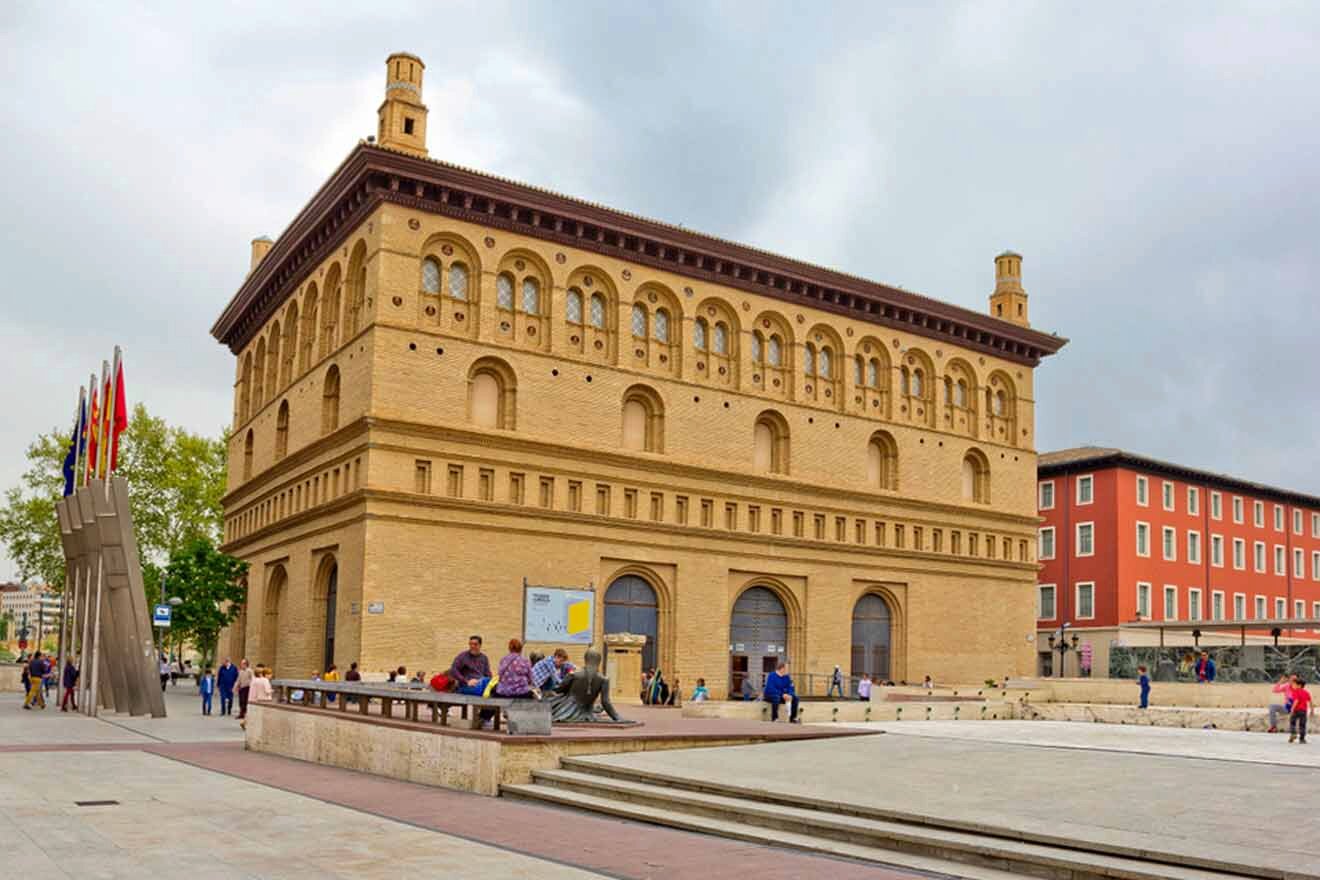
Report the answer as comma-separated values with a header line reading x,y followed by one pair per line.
x,y
1157,164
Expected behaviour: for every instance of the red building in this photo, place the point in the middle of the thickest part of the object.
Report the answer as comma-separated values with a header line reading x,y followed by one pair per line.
x,y
1127,539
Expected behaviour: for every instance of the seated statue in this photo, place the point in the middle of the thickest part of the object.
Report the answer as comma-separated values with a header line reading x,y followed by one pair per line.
x,y
575,697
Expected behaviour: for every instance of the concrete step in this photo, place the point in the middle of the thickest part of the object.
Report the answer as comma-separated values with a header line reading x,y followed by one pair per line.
x,y
563,797
812,828
1130,849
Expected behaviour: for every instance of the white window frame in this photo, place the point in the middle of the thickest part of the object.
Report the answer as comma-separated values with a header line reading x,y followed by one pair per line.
x,y
1217,551
1239,606
1297,521
1169,538
1262,608
1299,609
1216,605
1278,517
1193,500
1299,563
1216,505
1280,608
1194,608
1315,611
1280,560
1054,600
1238,514
1315,565
1259,558
1040,495
1077,539
1170,590
1143,615
1167,495
1239,554
1143,491
1040,542
1090,484
1258,514
1077,600
1194,546
1315,525
1143,527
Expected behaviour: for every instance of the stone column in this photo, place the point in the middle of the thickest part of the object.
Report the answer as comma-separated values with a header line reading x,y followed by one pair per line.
x,y
623,667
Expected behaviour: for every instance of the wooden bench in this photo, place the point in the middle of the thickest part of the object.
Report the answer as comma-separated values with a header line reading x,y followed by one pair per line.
x,y
523,717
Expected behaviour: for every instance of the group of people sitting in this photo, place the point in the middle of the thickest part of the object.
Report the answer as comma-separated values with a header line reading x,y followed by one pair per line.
x,y
516,676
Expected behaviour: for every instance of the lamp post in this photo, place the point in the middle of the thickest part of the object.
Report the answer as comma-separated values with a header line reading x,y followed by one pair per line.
x,y
1062,643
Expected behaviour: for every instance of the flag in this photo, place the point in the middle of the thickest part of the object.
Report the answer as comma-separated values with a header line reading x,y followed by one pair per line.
x,y
119,421
71,457
93,426
103,430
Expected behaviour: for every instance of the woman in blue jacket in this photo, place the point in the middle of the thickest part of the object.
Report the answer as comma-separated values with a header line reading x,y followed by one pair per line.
x,y
779,689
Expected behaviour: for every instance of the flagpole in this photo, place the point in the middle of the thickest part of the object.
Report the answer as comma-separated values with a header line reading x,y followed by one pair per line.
x,y
70,565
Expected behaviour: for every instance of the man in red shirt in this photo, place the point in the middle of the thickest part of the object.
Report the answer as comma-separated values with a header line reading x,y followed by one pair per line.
x,y
1301,707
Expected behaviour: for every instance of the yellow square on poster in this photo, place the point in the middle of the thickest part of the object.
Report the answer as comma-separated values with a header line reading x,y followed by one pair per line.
x,y
579,617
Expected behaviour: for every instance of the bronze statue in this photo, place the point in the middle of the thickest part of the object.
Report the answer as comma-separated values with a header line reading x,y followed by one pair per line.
x,y
576,695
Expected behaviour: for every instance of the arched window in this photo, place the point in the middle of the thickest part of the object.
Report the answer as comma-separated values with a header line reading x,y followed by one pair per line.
x,y
639,321
661,326
491,389
531,296
758,346
290,344
431,275
458,281
573,306
273,361
247,455
999,403
859,370
809,359
504,292
823,365
643,420
918,383
873,373
882,461
775,351
310,306
282,431
976,477
721,338
770,444
330,401
259,376
245,389
598,311
699,334
960,393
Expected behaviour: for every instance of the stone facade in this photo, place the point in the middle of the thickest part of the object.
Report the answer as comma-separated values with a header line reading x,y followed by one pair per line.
x,y
439,408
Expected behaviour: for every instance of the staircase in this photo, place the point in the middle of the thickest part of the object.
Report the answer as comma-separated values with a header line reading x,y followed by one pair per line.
x,y
900,840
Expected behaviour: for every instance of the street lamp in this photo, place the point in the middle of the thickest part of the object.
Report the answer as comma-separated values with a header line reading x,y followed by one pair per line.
x,y
1063,645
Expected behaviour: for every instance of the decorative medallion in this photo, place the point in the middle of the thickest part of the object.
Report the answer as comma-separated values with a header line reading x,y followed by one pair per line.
x,y
765,322
983,362
756,377
587,281
849,331
560,258
687,291
651,297
903,408
627,274
664,358
504,325
994,380
921,412
599,345
875,403
447,250
939,353
490,242
747,307
430,310
575,339
895,343
640,353
701,365
531,331
776,383
857,399
458,316
911,359
829,392
808,389
398,301
519,265
723,371
710,310
818,337
801,320
414,224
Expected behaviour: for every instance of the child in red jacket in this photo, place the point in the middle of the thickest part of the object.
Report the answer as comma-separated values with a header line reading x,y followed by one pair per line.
x,y
1301,707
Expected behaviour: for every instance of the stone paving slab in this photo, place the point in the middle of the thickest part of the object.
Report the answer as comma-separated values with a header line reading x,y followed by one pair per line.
x,y
1201,807
184,722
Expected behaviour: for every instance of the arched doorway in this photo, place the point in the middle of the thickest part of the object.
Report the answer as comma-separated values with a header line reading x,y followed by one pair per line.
x,y
331,601
758,636
872,625
270,625
631,607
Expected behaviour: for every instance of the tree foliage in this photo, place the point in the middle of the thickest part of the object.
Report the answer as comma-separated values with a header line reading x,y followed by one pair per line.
x,y
211,587
175,478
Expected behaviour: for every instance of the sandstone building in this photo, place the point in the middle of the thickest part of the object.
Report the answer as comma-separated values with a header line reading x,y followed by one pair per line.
x,y
449,385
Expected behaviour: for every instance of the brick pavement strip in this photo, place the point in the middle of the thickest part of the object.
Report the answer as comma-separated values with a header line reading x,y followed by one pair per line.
x,y
616,847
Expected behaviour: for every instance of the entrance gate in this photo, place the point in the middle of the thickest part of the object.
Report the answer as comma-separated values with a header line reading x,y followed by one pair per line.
x,y
758,631
871,625
631,607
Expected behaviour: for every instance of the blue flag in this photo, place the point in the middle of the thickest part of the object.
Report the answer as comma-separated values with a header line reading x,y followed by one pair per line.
x,y
75,445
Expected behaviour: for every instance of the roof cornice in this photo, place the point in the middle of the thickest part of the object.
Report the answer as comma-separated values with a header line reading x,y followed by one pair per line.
x,y
371,175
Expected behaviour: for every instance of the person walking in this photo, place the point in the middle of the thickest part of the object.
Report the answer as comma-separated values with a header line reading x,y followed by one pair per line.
x,y
70,683
1144,681
244,687
699,693
836,683
225,680
1301,708
1282,703
1205,669
864,688
164,667
778,690
206,687
36,670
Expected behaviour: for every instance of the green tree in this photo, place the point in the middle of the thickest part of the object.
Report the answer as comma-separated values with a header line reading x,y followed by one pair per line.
x,y
175,478
210,585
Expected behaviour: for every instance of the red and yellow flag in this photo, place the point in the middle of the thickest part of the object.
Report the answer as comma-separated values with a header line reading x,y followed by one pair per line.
x,y
93,434
119,419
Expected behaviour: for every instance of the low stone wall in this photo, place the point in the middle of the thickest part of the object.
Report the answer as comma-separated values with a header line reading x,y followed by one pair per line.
x,y
1221,719
443,757
1217,695
11,677
854,710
